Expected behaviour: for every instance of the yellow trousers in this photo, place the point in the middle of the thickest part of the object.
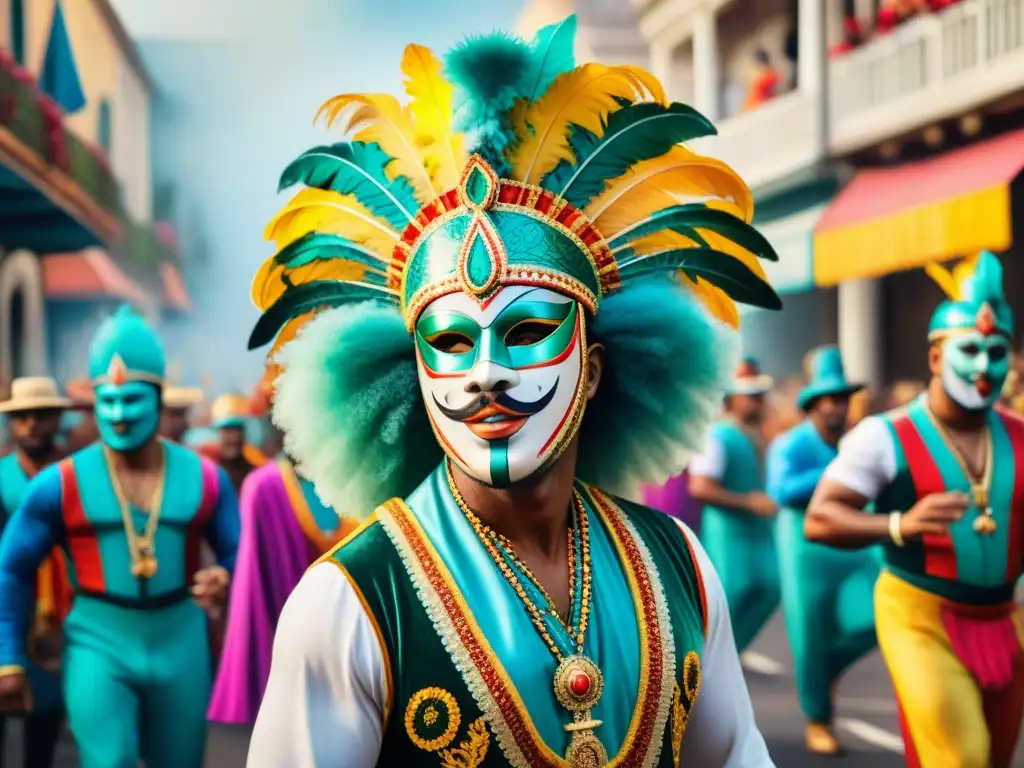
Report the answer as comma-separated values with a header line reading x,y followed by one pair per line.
x,y
948,720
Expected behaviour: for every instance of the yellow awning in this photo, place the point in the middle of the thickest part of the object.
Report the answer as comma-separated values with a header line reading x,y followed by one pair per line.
x,y
892,219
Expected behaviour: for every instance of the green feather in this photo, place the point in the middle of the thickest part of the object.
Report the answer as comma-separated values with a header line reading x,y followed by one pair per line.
x,y
358,169
685,218
305,298
732,276
631,135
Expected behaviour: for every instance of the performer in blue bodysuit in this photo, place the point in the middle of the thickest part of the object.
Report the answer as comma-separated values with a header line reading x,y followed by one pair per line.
x,y
826,593
737,529
130,513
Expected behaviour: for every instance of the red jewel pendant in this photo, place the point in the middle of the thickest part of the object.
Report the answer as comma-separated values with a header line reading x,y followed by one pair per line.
x,y
580,684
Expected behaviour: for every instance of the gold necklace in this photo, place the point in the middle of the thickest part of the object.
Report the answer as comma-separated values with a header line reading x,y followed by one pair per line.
x,y
984,523
578,682
141,548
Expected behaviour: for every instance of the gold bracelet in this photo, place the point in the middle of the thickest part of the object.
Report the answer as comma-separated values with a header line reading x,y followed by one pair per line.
x,y
894,528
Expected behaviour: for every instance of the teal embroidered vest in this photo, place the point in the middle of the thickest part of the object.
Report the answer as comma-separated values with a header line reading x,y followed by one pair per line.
x,y
452,700
963,566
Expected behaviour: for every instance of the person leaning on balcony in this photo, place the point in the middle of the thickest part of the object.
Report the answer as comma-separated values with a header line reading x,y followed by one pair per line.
x,y
765,81
853,37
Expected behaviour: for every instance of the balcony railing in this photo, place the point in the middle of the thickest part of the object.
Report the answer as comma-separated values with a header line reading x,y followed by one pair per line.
x,y
758,149
933,68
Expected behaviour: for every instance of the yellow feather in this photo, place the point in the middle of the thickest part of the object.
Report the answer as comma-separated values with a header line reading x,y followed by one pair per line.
x,y
320,210
582,97
667,240
945,280
269,284
963,271
379,118
714,299
678,176
431,110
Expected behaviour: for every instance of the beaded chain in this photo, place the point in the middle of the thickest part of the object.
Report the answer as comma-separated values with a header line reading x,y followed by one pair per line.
x,y
502,553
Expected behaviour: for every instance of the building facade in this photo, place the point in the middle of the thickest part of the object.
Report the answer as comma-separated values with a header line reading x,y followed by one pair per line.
x,y
77,231
879,148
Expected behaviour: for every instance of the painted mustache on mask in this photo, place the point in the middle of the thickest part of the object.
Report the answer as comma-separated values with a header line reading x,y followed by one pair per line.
x,y
498,403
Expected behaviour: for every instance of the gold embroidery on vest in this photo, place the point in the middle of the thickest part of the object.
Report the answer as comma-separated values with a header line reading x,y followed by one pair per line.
x,y
683,700
432,718
472,750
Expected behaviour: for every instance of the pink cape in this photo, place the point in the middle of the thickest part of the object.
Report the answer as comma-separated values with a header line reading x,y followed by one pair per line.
x,y
274,552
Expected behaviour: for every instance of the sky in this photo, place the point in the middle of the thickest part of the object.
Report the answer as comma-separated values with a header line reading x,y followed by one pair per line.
x,y
240,81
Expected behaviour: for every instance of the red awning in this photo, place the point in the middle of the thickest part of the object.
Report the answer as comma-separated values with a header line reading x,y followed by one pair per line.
x,y
175,294
890,219
88,274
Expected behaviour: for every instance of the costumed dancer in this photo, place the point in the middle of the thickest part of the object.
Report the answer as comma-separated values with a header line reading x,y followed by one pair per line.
x,y
826,593
285,528
737,525
129,512
497,609
34,415
175,419
230,415
943,475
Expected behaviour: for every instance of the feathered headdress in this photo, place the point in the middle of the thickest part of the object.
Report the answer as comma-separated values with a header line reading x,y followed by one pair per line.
x,y
508,166
974,288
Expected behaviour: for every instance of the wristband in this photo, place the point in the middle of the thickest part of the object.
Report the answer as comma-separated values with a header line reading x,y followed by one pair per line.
x,y
894,528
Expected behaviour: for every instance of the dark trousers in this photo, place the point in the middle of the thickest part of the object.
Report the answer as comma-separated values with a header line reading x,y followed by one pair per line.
x,y
41,733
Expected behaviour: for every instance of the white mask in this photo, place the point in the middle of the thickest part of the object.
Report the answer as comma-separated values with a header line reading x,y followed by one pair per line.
x,y
504,381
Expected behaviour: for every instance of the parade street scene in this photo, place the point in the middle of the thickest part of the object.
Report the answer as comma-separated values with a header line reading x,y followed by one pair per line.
x,y
511,384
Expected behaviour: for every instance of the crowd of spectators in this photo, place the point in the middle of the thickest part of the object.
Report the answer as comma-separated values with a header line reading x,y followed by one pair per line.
x,y
891,14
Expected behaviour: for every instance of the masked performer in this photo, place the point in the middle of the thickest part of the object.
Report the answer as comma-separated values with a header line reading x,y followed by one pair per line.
x,y
737,527
177,405
129,512
34,416
943,474
524,265
826,594
285,527
229,415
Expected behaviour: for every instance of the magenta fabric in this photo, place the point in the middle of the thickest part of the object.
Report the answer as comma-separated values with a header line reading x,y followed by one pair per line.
x,y
273,554
673,498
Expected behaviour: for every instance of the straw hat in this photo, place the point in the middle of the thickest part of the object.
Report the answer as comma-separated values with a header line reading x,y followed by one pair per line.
x,y
182,397
33,393
230,411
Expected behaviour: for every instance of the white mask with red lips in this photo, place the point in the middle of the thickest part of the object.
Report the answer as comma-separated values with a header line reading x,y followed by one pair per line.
x,y
504,381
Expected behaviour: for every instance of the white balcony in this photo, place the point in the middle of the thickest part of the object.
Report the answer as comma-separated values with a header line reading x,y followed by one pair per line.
x,y
933,68
773,141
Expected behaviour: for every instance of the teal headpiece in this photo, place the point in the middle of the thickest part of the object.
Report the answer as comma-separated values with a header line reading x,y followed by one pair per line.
x,y
125,349
828,377
509,166
976,301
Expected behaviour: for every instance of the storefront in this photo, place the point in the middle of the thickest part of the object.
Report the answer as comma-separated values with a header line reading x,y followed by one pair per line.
x,y
888,223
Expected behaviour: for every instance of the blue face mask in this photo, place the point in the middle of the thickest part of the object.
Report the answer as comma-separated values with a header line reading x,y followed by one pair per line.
x,y
128,415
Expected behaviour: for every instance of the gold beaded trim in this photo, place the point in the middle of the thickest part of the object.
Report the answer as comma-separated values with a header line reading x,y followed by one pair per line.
x,y
683,699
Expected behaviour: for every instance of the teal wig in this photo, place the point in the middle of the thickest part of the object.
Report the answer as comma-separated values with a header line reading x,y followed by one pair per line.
x,y
349,403
509,166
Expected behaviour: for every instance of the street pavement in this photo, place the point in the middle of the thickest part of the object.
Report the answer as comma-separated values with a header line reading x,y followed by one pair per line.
x,y
866,717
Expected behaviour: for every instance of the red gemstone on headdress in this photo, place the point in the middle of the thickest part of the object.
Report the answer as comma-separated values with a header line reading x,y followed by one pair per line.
x,y
117,372
580,683
986,320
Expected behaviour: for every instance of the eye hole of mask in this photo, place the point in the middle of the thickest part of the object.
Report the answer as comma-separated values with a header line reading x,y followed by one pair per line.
x,y
451,342
970,349
997,353
530,332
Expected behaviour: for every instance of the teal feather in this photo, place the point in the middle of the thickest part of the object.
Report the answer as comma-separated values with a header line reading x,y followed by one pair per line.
x,y
350,406
316,246
305,298
358,169
667,365
581,143
553,54
489,74
731,275
631,135
684,219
